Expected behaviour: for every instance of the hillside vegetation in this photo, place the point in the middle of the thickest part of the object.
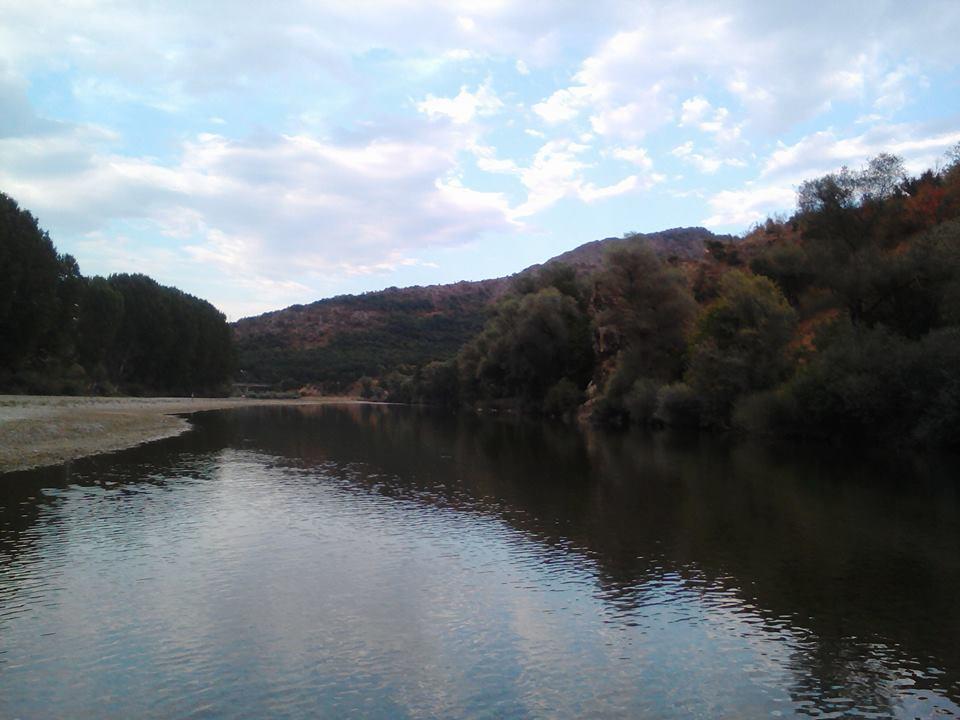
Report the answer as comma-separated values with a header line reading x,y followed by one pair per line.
x,y
333,343
840,322
63,333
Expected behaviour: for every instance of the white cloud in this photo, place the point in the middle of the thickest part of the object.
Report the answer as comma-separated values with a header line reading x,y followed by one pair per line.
x,y
895,87
557,172
563,105
782,63
633,120
741,208
633,154
707,163
693,110
326,164
591,193
553,175
825,151
269,209
815,155
465,106
720,127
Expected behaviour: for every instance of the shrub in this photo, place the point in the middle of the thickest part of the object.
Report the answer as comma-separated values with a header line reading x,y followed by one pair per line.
x,y
641,401
562,399
678,405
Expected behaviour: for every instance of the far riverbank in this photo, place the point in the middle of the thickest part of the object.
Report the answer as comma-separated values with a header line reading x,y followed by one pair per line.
x,y
48,430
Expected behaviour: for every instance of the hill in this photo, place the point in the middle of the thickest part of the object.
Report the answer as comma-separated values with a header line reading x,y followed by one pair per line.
x,y
334,342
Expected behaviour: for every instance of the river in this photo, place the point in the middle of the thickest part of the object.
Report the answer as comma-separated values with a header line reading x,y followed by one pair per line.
x,y
385,562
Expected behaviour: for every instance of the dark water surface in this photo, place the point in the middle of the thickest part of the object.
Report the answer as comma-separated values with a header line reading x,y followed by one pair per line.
x,y
365,561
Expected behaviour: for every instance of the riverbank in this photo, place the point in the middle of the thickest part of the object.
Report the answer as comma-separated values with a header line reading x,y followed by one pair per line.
x,y
44,430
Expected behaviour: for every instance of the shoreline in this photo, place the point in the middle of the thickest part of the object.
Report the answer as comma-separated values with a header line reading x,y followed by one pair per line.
x,y
43,430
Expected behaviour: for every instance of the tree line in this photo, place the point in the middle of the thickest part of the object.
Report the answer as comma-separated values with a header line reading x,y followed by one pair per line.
x,y
63,333
839,322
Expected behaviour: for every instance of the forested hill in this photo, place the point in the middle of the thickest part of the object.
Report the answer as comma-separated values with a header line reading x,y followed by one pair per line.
x,y
334,342
677,243
63,333
840,323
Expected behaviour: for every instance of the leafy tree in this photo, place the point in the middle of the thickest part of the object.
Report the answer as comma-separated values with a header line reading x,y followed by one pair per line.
x,y
739,344
863,385
530,344
642,311
563,399
438,383
101,309
678,405
29,301
787,265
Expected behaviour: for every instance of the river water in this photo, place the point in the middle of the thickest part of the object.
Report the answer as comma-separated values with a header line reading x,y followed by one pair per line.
x,y
383,562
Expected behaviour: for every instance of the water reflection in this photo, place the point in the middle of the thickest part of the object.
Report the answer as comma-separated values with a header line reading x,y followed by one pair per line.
x,y
392,563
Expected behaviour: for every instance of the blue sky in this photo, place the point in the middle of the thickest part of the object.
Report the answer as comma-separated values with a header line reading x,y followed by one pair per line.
x,y
260,156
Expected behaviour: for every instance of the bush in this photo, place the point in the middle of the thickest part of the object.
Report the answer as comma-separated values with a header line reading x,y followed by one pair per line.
x,y
563,399
366,387
740,343
641,401
938,363
771,411
679,406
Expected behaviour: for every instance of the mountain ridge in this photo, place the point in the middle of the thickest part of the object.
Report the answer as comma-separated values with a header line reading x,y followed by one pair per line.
x,y
332,342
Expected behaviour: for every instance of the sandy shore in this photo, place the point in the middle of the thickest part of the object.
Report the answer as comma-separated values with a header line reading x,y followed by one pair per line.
x,y
37,430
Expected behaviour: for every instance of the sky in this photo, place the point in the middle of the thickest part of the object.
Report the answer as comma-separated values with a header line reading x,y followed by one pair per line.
x,y
264,154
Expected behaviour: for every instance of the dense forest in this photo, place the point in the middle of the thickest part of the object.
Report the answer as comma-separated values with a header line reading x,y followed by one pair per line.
x,y
63,333
331,343
839,322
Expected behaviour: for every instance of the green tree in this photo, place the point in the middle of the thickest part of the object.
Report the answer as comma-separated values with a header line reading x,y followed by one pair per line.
x,y
530,344
787,265
101,310
29,303
642,311
739,344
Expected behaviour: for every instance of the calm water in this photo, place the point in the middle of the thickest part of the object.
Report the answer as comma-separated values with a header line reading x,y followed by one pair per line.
x,y
381,562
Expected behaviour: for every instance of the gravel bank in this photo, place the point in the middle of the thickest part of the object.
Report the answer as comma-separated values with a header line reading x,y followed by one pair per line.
x,y
38,430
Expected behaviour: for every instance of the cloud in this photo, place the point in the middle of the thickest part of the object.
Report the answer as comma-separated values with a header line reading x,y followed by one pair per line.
x,y
18,116
465,107
825,151
895,87
706,163
693,110
557,171
591,193
170,44
817,154
269,208
633,154
782,65
741,208
351,136
563,105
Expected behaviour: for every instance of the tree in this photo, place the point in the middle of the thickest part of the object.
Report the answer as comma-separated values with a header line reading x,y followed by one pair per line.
x,y
101,310
643,311
787,265
530,344
29,303
739,344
